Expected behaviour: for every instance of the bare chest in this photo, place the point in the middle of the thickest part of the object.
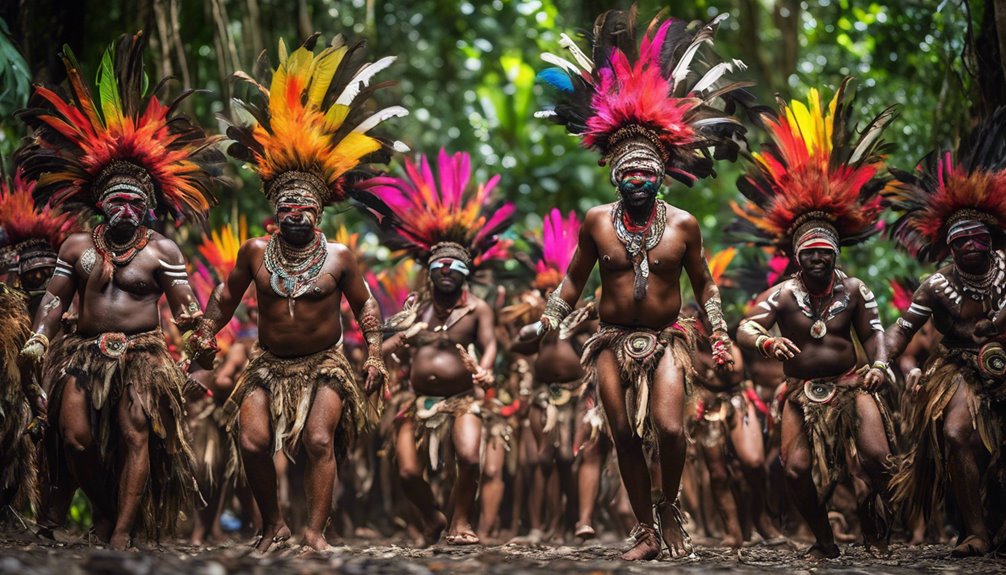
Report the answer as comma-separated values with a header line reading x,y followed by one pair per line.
x,y
283,282
137,276
663,259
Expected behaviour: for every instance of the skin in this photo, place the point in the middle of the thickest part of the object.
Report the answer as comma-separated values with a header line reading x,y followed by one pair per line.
x,y
128,304
557,361
437,370
744,441
680,249
314,326
805,357
957,323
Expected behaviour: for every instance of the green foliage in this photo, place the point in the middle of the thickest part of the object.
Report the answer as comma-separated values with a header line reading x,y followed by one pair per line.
x,y
15,86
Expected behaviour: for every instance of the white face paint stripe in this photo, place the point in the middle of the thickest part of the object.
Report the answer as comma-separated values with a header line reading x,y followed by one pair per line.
x,y
919,309
166,265
176,274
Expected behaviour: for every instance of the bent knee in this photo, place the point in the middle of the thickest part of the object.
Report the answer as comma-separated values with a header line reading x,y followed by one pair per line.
x,y
409,473
319,445
959,436
796,465
77,440
254,442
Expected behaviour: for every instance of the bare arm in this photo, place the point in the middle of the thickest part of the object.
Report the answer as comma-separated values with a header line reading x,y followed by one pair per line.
x,y
904,329
563,299
224,301
58,297
871,335
753,332
706,292
174,281
486,340
368,315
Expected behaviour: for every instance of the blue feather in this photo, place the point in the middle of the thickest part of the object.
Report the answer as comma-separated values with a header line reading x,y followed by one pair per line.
x,y
556,77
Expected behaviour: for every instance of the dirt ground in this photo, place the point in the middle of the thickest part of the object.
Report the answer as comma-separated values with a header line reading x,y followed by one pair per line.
x,y
25,555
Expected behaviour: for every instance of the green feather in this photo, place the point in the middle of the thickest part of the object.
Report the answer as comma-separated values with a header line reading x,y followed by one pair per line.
x,y
108,91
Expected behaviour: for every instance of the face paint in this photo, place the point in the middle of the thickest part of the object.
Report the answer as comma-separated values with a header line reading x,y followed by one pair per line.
x,y
295,206
453,264
124,204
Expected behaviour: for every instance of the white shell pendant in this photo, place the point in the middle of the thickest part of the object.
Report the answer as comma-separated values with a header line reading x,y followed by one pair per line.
x,y
819,329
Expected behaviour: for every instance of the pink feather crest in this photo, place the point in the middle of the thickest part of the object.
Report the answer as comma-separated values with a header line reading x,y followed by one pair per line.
x,y
558,243
638,93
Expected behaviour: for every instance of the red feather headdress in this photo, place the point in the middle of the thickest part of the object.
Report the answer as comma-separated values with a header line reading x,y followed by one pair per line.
x,y
315,122
25,224
422,211
558,243
815,169
942,191
79,141
627,97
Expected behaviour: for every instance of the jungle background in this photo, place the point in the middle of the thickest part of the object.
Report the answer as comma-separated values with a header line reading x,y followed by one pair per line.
x,y
466,71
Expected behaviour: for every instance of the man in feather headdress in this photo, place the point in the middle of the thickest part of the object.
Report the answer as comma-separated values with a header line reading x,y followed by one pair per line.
x,y
957,208
558,375
640,107
454,231
299,389
35,236
814,189
120,399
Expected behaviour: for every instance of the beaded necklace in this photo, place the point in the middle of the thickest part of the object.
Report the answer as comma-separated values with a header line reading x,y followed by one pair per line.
x,y
638,240
293,270
119,255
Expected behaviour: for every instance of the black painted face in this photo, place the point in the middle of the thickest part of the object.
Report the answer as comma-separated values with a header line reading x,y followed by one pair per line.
x,y
817,263
638,188
297,219
446,279
972,253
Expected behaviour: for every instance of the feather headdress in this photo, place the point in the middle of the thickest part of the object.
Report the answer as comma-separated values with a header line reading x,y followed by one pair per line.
x,y
817,171
392,286
943,191
647,104
32,230
313,123
80,142
422,211
558,243
220,248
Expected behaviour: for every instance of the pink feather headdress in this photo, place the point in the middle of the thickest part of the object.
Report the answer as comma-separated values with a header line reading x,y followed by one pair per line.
x,y
558,243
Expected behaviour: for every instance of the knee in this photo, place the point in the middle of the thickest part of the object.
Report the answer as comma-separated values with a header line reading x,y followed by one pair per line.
x,y
623,439
467,459
796,464
718,474
751,461
77,439
254,442
319,444
958,434
409,473
668,430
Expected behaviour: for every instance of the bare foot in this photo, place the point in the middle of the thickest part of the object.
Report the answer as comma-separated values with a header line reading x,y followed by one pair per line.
x,y
276,534
972,546
461,533
647,546
818,552
103,528
585,531
434,528
316,541
731,541
673,531
120,541
768,531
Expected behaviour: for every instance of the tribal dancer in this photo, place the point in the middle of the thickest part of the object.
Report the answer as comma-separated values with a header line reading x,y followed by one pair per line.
x,y
299,388
443,224
35,237
636,105
957,208
558,375
815,188
120,404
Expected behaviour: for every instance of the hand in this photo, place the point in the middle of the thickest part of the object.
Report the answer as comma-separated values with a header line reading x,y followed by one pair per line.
x,y
187,321
196,385
874,379
544,325
985,330
723,356
483,377
374,381
412,331
529,331
912,380
33,351
781,348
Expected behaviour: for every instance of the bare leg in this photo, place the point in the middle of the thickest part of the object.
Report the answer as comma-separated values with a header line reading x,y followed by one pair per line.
x,y
257,458
667,411
588,485
491,492
564,465
746,437
719,481
871,443
965,479
136,467
796,457
59,484
467,436
320,477
84,459
417,490
631,461
536,498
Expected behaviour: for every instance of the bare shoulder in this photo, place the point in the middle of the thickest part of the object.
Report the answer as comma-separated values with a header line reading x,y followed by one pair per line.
x,y
858,289
681,220
74,245
254,246
165,246
341,252
597,214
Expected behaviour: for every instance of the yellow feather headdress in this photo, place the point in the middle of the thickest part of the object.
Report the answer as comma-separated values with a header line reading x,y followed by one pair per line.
x,y
316,119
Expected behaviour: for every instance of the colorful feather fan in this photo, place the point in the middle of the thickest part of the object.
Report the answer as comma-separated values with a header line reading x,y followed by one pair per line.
x,y
421,210
719,262
392,286
942,189
24,223
316,116
558,244
220,248
816,167
655,90
76,138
